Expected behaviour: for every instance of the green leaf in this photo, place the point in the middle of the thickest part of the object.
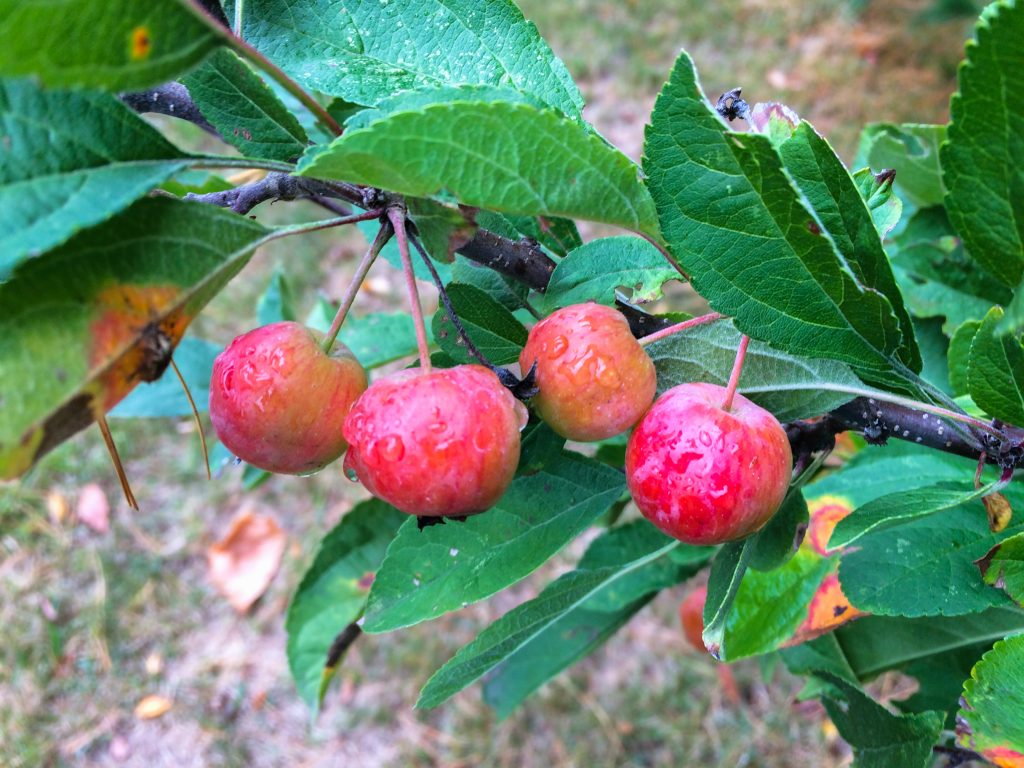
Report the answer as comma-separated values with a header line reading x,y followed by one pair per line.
x,y
924,567
1003,567
165,396
960,356
72,349
70,160
539,445
365,52
934,346
485,154
611,582
445,567
491,327
881,199
995,373
874,644
731,216
991,718
778,541
842,211
244,109
940,680
727,571
897,508
879,738
376,338
912,150
333,592
981,160
593,271
823,654
443,229
790,387
275,304
510,293
115,44
769,606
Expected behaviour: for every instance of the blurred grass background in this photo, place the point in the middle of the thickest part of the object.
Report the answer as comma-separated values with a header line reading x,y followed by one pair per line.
x,y
90,623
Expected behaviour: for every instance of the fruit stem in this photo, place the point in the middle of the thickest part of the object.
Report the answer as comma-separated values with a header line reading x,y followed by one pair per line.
x,y
383,235
195,415
116,459
686,325
397,217
737,370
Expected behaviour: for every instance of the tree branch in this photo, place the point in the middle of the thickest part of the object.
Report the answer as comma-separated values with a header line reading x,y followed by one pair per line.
x,y
169,99
273,186
214,9
521,259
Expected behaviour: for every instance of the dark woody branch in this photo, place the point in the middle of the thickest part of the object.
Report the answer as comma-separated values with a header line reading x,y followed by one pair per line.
x,y
169,99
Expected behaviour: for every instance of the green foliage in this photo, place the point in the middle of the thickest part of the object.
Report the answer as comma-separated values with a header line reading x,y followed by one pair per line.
x,y
116,44
981,160
912,151
484,153
990,720
995,372
244,110
59,176
491,327
366,52
1003,567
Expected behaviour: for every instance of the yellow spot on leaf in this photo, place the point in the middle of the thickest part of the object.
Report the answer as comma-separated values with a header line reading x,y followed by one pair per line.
x,y
140,44
825,513
828,609
999,511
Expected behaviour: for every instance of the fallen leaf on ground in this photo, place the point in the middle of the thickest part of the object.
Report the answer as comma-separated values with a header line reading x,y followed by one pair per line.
x,y
58,507
243,563
93,508
152,707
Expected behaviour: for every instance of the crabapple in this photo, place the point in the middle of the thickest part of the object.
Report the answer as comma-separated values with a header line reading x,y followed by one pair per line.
x,y
691,614
278,401
705,475
594,379
438,443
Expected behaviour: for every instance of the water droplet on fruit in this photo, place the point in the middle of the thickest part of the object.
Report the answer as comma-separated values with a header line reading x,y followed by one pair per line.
x,y
522,415
391,448
557,347
704,438
438,427
733,448
606,374
482,440
350,471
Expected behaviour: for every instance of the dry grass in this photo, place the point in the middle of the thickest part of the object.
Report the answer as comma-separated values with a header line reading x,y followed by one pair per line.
x,y
91,623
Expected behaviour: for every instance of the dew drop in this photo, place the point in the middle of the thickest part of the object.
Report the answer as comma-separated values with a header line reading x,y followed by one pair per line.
x,y
415,582
522,415
606,375
705,438
350,471
557,347
391,448
453,551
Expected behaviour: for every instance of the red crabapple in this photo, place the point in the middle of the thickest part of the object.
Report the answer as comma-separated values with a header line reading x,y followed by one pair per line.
x,y
705,475
441,443
691,615
594,379
279,402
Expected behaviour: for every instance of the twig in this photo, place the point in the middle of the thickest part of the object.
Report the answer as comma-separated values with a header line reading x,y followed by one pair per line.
x,y
383,235
169,99
274,186
522,259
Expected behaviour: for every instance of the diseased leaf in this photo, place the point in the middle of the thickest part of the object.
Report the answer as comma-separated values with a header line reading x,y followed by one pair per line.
x,y
924,567
71,350
608,583
365,52
333,592
244,109
788,386
995,372
593,271
991,717
981,159
165,396
115,44
912,150
1003,567
485,155
58,176
491,327
877,190
740,229
445,567
879,738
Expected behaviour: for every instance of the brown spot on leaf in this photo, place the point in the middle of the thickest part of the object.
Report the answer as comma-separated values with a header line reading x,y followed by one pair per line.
x,y
140,43
813,228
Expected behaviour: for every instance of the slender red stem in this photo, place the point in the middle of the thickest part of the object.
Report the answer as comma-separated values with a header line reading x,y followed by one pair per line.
x,y
686,325
737,370
397,217
383,235
115,457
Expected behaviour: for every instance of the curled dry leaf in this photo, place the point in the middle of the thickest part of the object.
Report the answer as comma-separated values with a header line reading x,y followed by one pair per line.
x,y
93,508
243,563
152,706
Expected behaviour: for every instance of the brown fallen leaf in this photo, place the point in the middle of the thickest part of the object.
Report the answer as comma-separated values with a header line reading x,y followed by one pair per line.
x,y
244,562
58,507
153,706
93,509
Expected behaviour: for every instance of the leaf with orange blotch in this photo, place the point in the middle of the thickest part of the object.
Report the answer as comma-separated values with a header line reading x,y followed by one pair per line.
x,y
152,707
825,511
244,562
83,324
1003,567
991,716
829,609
